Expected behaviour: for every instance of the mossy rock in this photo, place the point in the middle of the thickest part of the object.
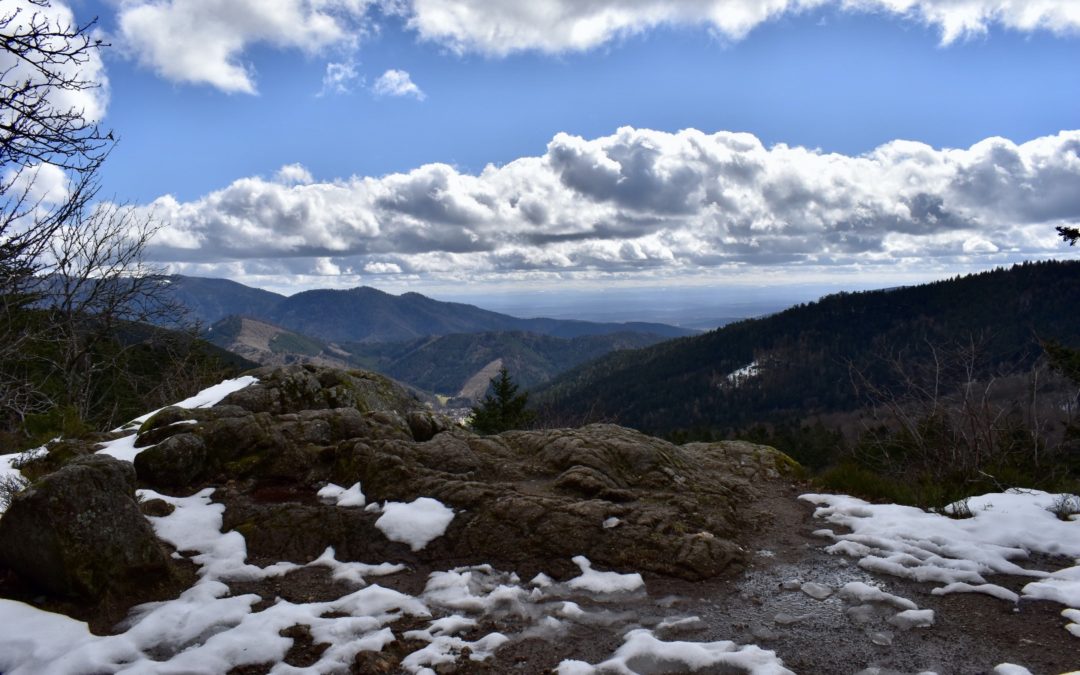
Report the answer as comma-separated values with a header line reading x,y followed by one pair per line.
x,y
79,532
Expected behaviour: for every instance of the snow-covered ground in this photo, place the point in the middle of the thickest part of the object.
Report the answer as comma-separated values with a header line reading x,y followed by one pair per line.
x,y
737,378
959,553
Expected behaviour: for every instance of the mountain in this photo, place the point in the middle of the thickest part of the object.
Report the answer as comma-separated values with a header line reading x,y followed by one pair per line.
x,y
267,344
457,365
369,315
462,364
803,361
210,300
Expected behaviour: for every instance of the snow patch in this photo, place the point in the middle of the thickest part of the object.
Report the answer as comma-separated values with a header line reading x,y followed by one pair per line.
x,y
603,582
741,376
987,589
124,448
416,523
353,572
913,618
642,652
862,592
206,398
1003,530
10,474
336,494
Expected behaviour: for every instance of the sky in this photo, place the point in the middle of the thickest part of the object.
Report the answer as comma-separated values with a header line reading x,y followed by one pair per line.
x,y
495,149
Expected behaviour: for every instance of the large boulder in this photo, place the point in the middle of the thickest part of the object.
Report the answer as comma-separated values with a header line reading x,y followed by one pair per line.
x,y
295,388
532,500
78,532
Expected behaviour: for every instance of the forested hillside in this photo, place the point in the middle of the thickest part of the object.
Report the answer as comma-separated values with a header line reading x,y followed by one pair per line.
x,y
443,364
810,356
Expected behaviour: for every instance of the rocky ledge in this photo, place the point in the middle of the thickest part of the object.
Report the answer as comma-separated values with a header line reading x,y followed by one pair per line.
x,y
523,500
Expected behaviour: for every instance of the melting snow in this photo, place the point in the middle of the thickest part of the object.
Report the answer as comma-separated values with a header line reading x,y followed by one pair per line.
x,y
415,523
206,398
1005,528
124,447
603,582
343,497
642,652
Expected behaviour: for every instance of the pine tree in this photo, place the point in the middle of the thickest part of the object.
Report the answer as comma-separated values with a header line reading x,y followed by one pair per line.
x,y
503,409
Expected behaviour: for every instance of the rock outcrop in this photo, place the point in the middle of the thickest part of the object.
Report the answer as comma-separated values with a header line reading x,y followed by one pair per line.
x,y
526,499
523,500
78,532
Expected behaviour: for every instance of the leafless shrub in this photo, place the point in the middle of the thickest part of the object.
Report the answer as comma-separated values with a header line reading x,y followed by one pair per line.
x,y
1065,506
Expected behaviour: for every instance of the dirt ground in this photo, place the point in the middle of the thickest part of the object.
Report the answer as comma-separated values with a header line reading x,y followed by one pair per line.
x,y
972,633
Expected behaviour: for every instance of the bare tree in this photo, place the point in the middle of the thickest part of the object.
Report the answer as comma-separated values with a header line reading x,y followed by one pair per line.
x,y
73,284
945,413
41,140
42,56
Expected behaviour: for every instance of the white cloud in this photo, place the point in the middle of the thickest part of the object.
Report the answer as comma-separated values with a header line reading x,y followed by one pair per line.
x,y
339,78
293,174
500,27
397,83
382,268
648,203
203,41
91,102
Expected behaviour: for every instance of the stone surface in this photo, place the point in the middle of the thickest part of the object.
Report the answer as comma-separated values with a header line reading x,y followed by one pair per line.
x,y
523,500
78,532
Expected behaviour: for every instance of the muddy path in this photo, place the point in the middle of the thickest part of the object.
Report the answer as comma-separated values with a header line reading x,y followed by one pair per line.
x,y
972,633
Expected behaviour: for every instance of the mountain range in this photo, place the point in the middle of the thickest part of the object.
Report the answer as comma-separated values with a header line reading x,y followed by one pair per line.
x,y
367,314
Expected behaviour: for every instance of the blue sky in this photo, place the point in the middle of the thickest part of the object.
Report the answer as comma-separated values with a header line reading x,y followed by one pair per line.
x,y
828,79
391,188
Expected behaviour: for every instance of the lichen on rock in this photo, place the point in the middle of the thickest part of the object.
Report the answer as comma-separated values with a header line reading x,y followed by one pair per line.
x,y
78,532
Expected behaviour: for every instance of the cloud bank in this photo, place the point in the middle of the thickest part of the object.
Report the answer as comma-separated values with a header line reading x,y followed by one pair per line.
x,y
204,41
501,27
641,204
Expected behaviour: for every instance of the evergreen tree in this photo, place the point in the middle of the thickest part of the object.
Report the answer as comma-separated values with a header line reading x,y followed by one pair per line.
x,y
503,409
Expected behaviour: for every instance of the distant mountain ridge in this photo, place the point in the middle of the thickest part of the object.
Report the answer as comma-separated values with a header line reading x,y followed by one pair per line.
x,y
367,314
458,365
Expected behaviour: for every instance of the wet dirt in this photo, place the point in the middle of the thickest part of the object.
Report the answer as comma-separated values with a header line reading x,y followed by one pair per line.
x,y
764,606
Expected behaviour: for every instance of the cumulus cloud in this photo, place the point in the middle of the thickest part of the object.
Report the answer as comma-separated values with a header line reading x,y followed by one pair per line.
x,y
643,202
397,83
203,41
500,27
293,174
